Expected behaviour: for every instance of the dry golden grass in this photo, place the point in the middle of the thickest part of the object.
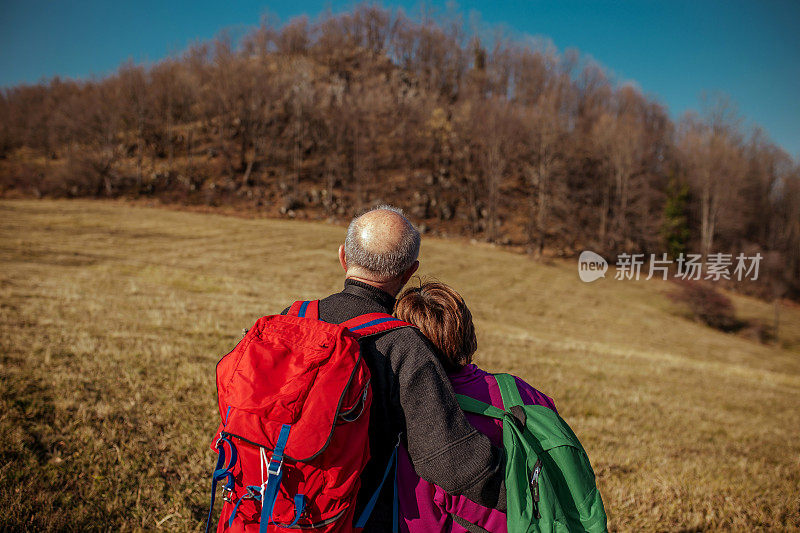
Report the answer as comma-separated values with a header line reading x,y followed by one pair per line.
x,y
113,317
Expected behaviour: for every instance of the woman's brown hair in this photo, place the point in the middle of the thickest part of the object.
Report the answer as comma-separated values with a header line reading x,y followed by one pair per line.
x,y
441,315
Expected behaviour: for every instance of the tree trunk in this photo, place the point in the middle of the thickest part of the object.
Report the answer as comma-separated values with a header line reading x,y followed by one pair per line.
x,y
247,171
706,235
604,215
170,146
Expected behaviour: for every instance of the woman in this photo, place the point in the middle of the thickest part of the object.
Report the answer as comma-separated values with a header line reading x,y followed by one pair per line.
x,y
441,315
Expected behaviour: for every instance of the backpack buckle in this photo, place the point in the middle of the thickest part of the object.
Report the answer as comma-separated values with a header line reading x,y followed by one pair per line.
x,y
274,467
253,493
227,494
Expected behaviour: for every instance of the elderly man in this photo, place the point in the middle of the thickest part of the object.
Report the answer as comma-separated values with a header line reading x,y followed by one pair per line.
x,y
411,393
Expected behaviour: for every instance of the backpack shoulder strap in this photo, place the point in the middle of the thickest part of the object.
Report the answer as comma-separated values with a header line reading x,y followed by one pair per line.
x,y
373,323
471,405
509,391
307,308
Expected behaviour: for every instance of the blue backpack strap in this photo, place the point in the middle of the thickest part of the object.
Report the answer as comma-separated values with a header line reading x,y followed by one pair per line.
x,y
305,308
299,507
269,490
365,514
373,323
253,493
221,471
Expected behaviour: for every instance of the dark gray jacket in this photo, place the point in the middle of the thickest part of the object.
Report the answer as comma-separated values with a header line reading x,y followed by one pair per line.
x,y
412,397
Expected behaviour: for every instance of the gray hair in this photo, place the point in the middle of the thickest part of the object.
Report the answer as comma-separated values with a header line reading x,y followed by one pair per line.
x,y
388,264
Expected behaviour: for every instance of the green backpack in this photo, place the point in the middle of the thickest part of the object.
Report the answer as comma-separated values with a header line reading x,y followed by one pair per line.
x,y
549,482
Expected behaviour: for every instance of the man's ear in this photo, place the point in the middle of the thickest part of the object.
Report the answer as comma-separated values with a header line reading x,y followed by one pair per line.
x,y
342,258
408,273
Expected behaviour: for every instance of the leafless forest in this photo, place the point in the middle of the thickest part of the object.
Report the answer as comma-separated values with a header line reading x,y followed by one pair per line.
x,y
475,133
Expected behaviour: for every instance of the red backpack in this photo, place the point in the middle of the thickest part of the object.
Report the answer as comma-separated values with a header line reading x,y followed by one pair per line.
x,y
294,397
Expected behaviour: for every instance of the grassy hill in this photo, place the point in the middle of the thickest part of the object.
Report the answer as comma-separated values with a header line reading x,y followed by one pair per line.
x,y
112,318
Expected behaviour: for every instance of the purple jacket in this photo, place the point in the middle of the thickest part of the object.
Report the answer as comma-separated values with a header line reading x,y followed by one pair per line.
x,y
425,507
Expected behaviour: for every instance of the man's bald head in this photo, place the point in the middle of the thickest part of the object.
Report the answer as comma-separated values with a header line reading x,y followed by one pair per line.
x,y
382,242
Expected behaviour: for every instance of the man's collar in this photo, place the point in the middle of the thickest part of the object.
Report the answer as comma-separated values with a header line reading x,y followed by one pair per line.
x,y
365,290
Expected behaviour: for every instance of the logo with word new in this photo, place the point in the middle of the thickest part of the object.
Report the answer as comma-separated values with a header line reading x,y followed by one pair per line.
x,y
591,266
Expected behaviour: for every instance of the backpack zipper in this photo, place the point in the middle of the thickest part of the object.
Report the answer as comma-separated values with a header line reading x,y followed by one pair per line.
x,y
537,469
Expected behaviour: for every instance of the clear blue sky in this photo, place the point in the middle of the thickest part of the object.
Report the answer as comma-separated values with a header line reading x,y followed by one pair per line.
x,y
674,50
